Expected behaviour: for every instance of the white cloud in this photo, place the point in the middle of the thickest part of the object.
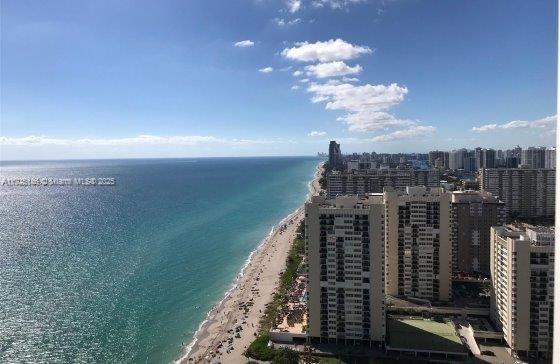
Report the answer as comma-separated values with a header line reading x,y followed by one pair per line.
x,y
335,4
328,51
546,121
518,124
484,128
359,98
244,44
369,120
315,134
295,87
409,133
294,5
548,133
281,22
366,105
144,139
332,69
266,70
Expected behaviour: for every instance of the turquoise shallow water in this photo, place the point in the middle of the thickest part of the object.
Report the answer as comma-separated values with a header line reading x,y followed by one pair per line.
x,y
127,273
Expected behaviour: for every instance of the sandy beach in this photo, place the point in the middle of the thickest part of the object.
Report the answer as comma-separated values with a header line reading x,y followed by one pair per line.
x,y
233,324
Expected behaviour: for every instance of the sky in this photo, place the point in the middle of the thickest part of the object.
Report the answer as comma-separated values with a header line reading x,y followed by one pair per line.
x,y
118,79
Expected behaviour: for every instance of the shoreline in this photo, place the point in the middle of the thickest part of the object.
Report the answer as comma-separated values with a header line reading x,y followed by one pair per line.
x,y
231,325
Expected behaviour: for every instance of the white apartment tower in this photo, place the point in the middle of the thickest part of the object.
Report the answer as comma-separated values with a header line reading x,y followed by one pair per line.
x,y
456,159
550,158
345,253
418,243
522,271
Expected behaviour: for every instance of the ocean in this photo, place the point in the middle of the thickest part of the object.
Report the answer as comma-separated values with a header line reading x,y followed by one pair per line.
x,y
126,273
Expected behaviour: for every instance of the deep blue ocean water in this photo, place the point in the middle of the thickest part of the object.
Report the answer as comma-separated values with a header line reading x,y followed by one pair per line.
x,y
126,273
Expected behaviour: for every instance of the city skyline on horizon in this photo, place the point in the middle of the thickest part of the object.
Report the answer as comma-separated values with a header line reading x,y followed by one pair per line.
x,y
101,80
322,153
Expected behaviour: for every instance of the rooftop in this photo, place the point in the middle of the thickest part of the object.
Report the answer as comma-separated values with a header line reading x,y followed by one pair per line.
x,y
348,201
535,235
466,196
423,335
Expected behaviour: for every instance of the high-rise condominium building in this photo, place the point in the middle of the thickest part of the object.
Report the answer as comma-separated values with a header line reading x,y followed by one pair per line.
x,y
533,157
550,158
473,214
345,253
438,159
469,162
456,158
488,158
485,158
515,152
526,192
335,156
463,159
375,180
418,240
500,159
522,270
512,162
479,157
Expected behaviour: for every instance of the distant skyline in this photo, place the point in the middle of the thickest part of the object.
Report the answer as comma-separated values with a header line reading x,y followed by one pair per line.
x,y
263,77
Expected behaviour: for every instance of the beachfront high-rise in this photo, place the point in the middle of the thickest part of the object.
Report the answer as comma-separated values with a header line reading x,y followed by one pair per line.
x,y
335,155
473,213
345,253
522,271
418,243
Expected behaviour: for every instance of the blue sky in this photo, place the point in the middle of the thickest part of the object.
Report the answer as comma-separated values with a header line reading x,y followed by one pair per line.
x,y
101,79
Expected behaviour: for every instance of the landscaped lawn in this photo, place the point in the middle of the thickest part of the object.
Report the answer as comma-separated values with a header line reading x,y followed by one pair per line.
x,y
421,334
